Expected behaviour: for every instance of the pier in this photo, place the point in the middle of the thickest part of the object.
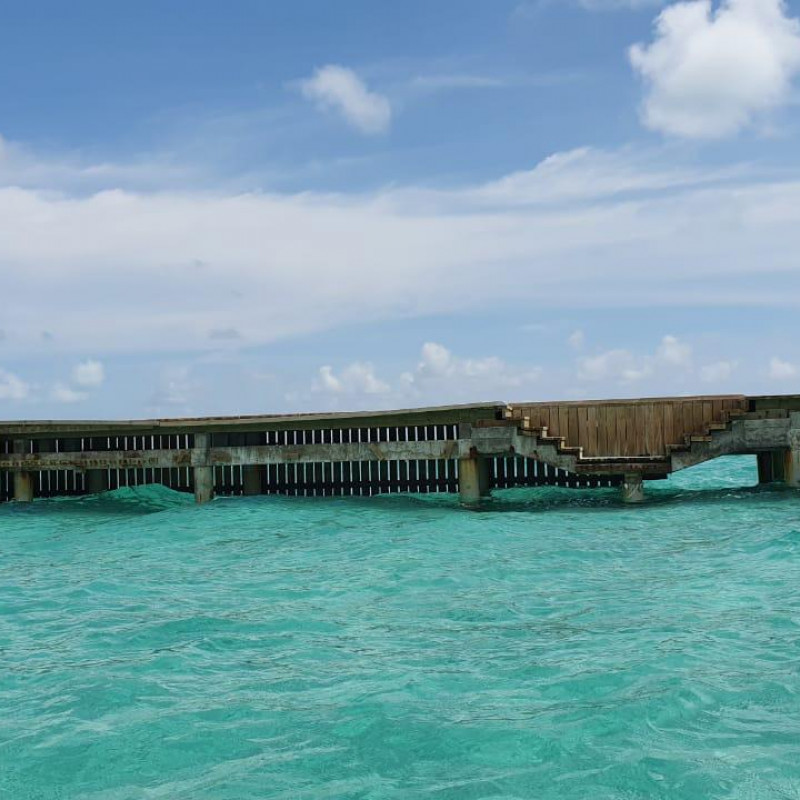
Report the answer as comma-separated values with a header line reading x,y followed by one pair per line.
x,y
468,449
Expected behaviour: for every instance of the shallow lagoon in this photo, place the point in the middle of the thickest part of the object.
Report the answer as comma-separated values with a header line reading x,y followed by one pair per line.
x,y
556,644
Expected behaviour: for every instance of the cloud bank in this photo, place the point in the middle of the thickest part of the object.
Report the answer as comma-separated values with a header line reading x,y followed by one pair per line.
x,y
158,271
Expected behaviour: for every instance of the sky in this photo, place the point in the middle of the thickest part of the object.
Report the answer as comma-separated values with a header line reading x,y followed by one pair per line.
x,y
298,205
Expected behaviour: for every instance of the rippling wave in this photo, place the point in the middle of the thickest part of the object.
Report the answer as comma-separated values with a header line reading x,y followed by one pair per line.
x,y
556,644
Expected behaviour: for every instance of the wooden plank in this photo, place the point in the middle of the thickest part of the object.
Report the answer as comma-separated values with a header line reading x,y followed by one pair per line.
x,y
602,430
563,421
591,424
582,413
573,432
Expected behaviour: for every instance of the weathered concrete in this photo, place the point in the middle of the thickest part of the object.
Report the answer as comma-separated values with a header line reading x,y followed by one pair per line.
x,y
203,472
792,457
583,443
473,480
633,488
251,479
23,480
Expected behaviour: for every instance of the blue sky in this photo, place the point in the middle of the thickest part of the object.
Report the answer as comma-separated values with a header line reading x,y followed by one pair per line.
x,y
250,206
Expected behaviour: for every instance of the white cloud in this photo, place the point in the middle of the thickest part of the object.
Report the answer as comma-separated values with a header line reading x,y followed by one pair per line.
x,y
88,373
439,377
618,365
340,88
672,351
782,370
439,368
61,393
12,387
711,72
281,265
356,378
623,366
718,372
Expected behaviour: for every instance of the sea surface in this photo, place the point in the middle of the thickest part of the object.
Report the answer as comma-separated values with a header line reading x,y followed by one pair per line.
x,y
555,644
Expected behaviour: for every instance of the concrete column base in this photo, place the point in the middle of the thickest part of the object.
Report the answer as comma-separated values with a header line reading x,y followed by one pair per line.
x,y
23,487
203,475
473,480
203,484
23,481
633,488
791,460
251,479
96,481
791,467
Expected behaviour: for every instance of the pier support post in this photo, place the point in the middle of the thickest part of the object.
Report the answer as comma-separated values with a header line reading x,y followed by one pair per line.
x,y
23,481
96,481
251,479
473,480
791,464
203,474
632,488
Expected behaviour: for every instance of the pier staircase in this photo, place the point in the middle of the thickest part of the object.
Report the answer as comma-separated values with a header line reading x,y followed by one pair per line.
x,y
712,438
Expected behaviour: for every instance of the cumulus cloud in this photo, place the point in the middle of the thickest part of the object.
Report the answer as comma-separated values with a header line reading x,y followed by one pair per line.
x,y
623,366
782,370
672,351
342,90
88,373
356,378
438,377
12,387
438,364
709,72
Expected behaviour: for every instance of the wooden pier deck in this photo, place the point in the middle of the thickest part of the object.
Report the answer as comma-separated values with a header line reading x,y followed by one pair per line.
x,y
470,449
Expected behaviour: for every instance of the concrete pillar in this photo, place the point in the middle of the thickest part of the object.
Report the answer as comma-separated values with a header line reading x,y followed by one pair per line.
x,y
251,479
473,480
791,463
23,481
96,481
203,474
633,488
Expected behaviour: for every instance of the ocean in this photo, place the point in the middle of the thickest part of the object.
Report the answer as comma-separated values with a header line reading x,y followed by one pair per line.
x,y
553,644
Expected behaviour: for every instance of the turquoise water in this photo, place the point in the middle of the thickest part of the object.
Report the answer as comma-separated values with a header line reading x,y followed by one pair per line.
x,y
555,645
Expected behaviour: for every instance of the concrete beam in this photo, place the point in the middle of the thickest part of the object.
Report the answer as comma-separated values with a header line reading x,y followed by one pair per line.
x,y
203,471
632,488
473,480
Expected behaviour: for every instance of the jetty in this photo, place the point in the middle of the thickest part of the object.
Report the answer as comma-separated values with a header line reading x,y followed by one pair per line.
x,y
468,449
